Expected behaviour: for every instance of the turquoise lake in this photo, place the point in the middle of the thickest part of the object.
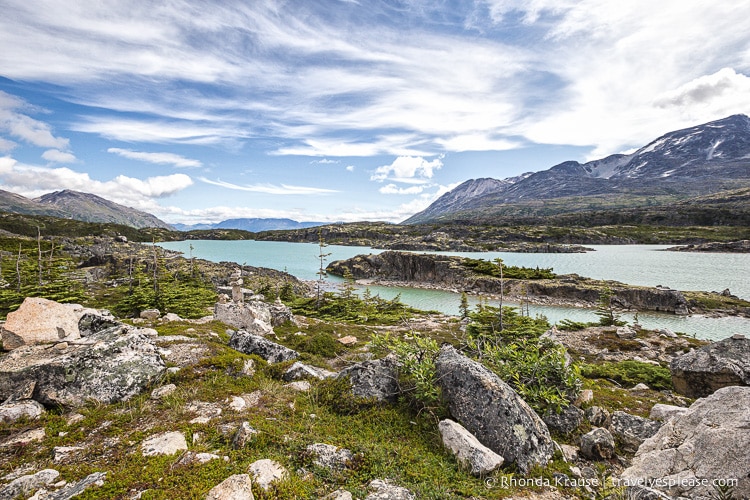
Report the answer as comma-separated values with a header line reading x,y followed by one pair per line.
x,y
646,265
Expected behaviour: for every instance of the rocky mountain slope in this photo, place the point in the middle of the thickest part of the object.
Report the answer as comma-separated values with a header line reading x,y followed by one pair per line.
x,y
693,162
80,206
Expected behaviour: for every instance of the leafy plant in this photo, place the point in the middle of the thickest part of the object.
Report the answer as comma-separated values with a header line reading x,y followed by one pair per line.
x,y
416,356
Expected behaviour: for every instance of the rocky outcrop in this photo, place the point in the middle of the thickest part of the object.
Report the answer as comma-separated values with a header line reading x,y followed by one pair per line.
x,y
720,364
710,442
107,366
376,379
492,411
255,344
25,485
470,453
448,272
43,321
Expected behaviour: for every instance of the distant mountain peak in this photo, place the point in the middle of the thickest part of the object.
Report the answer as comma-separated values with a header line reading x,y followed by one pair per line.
x,y
694,161
81,206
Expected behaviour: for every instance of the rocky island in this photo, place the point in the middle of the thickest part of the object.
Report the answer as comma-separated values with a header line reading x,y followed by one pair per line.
x,y
459,274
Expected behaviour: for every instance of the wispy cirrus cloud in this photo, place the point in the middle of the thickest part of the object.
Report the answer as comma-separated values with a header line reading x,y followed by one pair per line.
x,y
157,158
282,189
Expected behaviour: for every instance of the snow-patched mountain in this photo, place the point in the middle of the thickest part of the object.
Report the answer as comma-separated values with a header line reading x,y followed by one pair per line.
x,y
691,162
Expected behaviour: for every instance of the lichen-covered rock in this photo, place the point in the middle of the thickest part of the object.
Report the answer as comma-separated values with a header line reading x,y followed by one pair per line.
x,y
236,487
266,471
300,371
330,456
492,411
165,443
565,422
43,321
598,416
25,485
598,444
384,490
472,454
255,316
108,366
720,364
10,412
255,344
374,379
708,442
245,434
632,430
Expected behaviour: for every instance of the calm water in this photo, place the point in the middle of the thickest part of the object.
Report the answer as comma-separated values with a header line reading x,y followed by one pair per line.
x,y
633,264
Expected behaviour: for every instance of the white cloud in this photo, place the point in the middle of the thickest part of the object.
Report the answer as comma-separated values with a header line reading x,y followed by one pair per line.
x,y
282,189
407,169
33,181
24,127
6,145
157,158
726,89
57,156
324,161
393,189
350,168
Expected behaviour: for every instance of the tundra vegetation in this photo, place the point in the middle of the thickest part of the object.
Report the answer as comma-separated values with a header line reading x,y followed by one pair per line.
x,y
398,441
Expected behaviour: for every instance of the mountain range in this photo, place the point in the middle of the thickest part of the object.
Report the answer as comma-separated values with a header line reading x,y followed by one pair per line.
x,y
684,164
250,224
76,205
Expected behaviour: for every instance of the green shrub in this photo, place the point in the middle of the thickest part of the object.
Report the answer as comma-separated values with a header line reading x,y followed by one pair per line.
x,y
417,366
336,394
630,373
482,266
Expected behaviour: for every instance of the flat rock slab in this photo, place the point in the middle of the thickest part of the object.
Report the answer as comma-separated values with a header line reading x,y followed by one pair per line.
x,y
10,412
166,443
109,366
472,454
41,321
330,456
236,487
492,411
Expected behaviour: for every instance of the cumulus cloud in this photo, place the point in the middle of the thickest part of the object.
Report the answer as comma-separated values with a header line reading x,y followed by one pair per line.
x,y
282,189
157,158
408,169
350,168
32,181
725,84
57,156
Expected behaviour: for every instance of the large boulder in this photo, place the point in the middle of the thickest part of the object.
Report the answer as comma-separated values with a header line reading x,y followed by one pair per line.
x,y
710,442
492,411
374,379
598,444
254,316
720,364
250,343
108,366
43,321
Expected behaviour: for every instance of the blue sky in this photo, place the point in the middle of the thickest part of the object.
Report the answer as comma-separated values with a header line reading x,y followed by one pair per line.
x,y
345,110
